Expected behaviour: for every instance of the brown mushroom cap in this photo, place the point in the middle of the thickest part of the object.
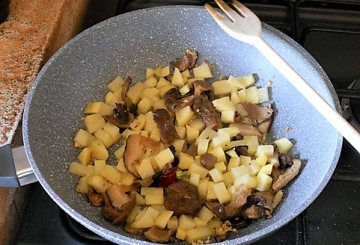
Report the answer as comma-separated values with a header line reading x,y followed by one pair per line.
x,y
174,101
135,144
156,234
246,129
288,175
95,199
118,215
186,61
208,160
166,125
205,110
256,113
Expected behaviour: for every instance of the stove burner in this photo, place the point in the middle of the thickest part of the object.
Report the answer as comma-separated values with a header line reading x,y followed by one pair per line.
x,y
351,107
355,103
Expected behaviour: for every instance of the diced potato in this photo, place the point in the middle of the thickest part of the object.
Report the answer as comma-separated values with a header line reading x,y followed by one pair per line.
x,y
115,84
194,179
186,222
82,138
99,165
162,83
196,168
139,123
155,199
185,160
184,115
227,116
268,150
119,153
254,168
150,82
83,186
93,122
219,153
245,179
145,221
177,79
223,104
261,159
215,223
85,156
216,175
202,71
152,212
242,95
185,89
247,80
149,72
158,71
252,142
132,215
98,150
180,234
203,186
151,191
211,195
77,169
145,169
111,99
145,105
173,223
245,160
228,178
127,178
221,193
162,220
220,166
202,146
199,222
284,145
263,182
205,214
111,174
181,131
263,94
191,133
134,92
232,131
165,89
163,158
150,93
113,131
221,88
207,133
98,107
239,171
99,183
267,169
233,162
252,94
104,136
165,71
221,140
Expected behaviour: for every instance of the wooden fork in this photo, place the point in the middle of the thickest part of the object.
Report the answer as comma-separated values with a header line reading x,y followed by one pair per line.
x,y
242,24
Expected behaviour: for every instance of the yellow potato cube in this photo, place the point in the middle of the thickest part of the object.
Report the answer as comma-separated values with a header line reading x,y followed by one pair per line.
x,y
263,94
115,84
202,146
267,169
194,179
173,223
93,122
220,166
191,133
223,104
198,169
221,88
98,150
211,195
207,133
252,142
202,71
98,166
227,116
205,214
165,71
139,123
134,92
284,145
252,94
239,171
145,221
221,192
263,182
216,175
186,222
150,82
199,222
162,220
164,158
104,136
132,215
162,83
177,79
180,234
185,160
246,180
145,169
203,186
82,138
119,153
233,162
228,178
219,153
150,93
221,140
111,173
184,89
77,169
99,183
245,160
85,156
235,82
268,150
261,159
98,107
83,186
184,115
127,178
145,105
247,80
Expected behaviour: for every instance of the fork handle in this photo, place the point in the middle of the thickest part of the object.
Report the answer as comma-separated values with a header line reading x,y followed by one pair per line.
x,y
332,116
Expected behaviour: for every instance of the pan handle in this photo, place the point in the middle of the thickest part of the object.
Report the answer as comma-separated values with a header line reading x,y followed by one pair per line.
x,y
15,169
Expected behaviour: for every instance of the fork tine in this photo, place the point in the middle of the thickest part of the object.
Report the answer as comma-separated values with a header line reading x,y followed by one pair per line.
x,y
232,14
241,8
214,13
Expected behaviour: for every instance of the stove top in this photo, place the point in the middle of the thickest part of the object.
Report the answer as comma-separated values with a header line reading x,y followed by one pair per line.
x,y
330,32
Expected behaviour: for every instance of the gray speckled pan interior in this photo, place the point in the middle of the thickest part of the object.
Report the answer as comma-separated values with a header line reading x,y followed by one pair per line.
x,y
126,45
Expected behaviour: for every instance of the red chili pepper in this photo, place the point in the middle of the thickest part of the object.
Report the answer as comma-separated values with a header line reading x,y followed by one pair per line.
x,y
166,178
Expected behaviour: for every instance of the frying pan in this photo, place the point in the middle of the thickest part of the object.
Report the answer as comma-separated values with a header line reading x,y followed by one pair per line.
x,y
126,45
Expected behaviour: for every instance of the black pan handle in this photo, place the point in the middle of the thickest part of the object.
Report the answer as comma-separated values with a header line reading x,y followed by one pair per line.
x,y
15,169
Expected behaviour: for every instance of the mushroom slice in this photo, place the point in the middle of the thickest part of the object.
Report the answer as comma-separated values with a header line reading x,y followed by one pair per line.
x,y
125,88
288,175
134,231
118,215
186,61
233,209
201,86
135,144
118,194
208,160
95,199
121,117
174,101
256,113
205,110
246,129
166,125
264,127
155,234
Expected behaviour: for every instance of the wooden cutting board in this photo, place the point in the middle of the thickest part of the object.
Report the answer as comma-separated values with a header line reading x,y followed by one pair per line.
x,y
33,31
